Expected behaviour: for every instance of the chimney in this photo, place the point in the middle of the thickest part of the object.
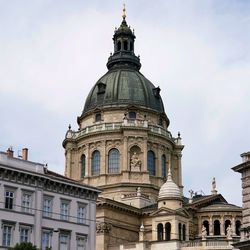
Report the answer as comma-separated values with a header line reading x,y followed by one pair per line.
x,y
10,152
25,154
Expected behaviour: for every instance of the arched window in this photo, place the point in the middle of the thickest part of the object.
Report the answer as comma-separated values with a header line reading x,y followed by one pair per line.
x,y
95,163
119,45
216,227
237,227
184,232
167,231
125,45
179,229
98,117
160,232
83,165
113,165
163,166
131,115
151,162
227,223
206,225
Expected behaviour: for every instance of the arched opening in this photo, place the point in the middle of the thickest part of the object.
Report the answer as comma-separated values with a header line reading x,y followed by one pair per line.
x,y
227,223
167,231
95,163
113,161
119,45
160,232
216,227
125,45
151,162
98,117
206,225
179,231
132,115
83,165
237,227
184,232
163,166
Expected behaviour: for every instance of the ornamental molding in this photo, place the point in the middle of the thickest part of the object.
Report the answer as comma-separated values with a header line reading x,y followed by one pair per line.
x,y
103,227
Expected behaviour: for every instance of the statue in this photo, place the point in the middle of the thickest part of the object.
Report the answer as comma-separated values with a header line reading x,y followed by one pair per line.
x,y
229,232
135,162
214,191
203,232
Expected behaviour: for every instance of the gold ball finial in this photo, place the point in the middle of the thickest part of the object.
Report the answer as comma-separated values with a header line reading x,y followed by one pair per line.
x,y
124,12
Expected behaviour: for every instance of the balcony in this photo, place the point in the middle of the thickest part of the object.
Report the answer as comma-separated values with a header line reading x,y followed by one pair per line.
x,y
116,126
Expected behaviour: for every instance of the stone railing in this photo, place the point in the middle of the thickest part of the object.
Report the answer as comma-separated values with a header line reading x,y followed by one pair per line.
x,y
117,126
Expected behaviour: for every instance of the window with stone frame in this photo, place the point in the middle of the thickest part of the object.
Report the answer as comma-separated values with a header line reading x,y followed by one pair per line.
x,y
81,242
46,238
64,209
24,233
47,206
7,234
113,161
64,241
151,162
9,198
83,165
95,163
163,166
26,202
81,213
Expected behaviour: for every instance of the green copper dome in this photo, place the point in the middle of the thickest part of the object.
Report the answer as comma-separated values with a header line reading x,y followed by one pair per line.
x,y
123,85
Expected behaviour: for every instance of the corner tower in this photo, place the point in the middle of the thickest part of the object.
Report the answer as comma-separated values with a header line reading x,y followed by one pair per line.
x,y
123,142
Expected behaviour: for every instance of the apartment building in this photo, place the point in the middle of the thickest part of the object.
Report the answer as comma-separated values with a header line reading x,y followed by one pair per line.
x,y
43,207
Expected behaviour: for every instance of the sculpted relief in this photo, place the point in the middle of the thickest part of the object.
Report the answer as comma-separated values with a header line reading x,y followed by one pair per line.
x,y
135,162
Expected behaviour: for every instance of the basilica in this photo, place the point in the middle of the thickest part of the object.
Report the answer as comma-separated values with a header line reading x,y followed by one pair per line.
x,y
123,146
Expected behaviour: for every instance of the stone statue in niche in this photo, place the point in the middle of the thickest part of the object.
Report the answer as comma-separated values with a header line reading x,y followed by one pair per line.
x,y
135,162
203,233
229,232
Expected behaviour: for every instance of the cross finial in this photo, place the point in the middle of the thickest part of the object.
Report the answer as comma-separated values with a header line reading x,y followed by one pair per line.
x,y
124,12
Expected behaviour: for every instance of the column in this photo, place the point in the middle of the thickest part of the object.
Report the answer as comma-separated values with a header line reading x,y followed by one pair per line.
x,y
233,225
180,172
211,226
222,231
125,165
145,153
199,225
38,216
158,171
88,162
103,164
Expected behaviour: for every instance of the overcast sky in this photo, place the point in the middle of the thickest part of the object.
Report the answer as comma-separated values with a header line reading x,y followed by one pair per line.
x,y
198,52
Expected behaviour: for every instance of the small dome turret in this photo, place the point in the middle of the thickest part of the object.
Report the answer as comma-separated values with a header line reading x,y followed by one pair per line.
x,y
170,194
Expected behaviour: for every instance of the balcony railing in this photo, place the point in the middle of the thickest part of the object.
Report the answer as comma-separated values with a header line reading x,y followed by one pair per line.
x,y
117,126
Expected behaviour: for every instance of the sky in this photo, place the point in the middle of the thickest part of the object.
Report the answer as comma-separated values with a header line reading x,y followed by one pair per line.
x,y
198,52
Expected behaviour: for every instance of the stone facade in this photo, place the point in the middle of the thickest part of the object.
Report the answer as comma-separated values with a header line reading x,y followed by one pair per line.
x,y
123,146
45,208
244,169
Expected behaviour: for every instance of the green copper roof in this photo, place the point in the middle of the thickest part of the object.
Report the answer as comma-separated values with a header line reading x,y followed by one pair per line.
x,y
122,87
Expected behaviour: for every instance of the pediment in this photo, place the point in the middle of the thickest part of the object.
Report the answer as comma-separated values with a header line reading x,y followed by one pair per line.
x,y
163,212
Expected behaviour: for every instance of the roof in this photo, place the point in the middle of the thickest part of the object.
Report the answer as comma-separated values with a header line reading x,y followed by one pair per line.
x,y
122,87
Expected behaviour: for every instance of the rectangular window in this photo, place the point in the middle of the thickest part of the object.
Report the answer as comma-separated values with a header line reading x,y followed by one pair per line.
x,y
81,213
47,206
24,234
7,235
64,210
26,202
46,239
9,199
64,242
81,242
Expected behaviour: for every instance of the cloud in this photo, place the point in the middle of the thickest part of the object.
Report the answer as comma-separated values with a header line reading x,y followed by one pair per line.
x,y
197,51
